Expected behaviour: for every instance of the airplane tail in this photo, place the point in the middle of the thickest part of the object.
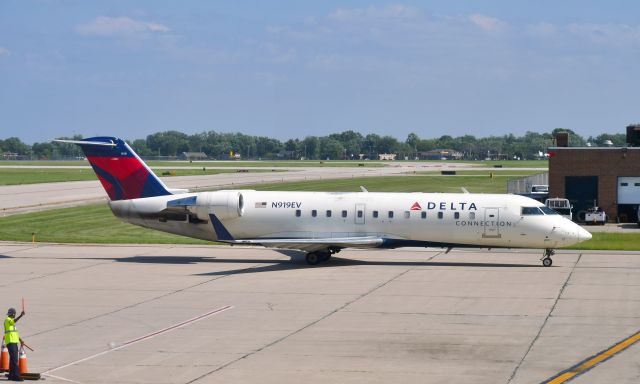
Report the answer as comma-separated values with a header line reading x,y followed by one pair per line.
x,y
122,173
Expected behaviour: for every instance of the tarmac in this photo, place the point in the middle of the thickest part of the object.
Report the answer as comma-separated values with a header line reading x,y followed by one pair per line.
x,y
219,314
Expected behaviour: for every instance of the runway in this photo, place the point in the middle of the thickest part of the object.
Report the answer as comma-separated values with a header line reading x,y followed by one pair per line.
x,y
216,314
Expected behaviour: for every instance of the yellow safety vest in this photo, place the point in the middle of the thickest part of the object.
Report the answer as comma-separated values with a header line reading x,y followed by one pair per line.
x,y
10,332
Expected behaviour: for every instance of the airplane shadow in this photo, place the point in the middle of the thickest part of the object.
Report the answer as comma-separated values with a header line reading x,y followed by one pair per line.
x,y
296,261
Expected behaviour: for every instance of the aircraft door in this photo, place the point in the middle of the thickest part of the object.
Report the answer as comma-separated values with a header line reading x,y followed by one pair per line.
x,y
491,223
360,213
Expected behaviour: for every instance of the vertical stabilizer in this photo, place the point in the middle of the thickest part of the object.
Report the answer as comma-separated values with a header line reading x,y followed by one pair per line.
x,y
122,173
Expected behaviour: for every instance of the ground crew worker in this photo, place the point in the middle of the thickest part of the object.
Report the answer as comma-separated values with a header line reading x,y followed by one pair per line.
x,y
12,338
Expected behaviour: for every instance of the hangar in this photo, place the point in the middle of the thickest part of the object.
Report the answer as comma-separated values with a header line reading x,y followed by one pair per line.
x,y
606,176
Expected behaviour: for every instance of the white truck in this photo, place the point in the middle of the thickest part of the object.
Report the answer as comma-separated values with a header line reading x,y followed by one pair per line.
x,y
560,205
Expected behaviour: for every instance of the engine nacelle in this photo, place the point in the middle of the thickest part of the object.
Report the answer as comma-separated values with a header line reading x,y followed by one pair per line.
x,y
224,204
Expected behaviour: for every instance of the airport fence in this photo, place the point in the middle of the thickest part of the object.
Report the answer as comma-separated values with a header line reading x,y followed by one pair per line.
x,y
524,185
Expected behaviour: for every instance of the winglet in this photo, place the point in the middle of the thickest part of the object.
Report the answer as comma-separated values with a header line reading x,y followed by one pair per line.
x,y
221,232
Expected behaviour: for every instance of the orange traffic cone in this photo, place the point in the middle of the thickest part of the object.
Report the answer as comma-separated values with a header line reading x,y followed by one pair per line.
x,y
4,359
22,363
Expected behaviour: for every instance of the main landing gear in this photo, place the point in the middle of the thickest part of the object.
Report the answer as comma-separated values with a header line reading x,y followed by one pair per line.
x,y
313,258
546,257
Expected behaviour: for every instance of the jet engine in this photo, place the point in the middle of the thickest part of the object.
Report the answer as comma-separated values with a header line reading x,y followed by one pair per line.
x,y
223,204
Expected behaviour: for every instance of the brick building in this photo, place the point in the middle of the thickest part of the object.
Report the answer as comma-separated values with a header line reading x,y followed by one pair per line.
x,y
608,175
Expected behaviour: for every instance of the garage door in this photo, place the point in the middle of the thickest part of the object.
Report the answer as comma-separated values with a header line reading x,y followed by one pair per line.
x,y
628,190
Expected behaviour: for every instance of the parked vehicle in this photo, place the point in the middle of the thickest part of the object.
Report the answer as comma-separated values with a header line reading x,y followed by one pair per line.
x,y
595,215
541,189
560,205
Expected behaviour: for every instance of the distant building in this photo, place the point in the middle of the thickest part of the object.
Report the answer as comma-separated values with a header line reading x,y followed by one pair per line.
x,y
607,176
193,156
10,155
387,156
441,154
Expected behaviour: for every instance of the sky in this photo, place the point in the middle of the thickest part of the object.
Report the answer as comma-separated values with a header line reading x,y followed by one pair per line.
x,y
290,69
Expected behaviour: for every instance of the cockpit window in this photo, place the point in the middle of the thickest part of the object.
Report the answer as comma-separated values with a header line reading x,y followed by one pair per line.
x,y
549,211
526,211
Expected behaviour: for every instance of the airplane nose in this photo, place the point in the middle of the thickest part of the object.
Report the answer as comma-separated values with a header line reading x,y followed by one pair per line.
x,y
583,234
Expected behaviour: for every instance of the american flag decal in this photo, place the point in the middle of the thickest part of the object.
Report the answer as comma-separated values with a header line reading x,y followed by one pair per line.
x,y
261,204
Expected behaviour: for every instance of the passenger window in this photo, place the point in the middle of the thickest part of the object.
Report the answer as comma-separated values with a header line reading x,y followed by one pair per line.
x,y
314,213
472,215
375,214
440,215
344,213
359,214
527,211
298,213
391,214
328,213
407,214
456,215
423,214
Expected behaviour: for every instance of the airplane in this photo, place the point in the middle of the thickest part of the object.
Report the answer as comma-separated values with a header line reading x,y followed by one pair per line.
x,y
323,223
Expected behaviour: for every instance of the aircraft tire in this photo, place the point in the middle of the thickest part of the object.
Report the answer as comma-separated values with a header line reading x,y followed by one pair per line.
x,y
547,262
312,258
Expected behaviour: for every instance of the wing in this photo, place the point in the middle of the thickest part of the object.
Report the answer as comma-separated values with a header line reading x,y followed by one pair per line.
x,y
303,244
311,245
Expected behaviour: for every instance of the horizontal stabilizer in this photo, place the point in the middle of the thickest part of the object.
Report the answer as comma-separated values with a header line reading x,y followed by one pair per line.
x,y
81,142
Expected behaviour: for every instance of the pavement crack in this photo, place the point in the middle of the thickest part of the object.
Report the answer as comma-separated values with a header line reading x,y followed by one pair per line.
x,y
297,331
544,323
54,274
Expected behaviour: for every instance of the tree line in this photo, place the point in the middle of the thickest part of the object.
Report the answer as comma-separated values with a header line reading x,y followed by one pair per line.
x,y
345,145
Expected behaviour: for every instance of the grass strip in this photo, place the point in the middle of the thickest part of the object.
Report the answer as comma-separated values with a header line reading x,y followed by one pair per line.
x,y
85,224
611,241
96,224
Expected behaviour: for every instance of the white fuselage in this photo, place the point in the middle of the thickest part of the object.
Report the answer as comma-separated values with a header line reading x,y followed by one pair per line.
x,y
483,220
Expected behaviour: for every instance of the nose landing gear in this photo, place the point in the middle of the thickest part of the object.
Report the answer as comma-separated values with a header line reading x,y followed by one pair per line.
x,y
546,257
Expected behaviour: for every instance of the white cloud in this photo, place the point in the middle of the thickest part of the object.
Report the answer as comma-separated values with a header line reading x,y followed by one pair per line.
x,y
374,13
4,51
487,23
541,29
118,26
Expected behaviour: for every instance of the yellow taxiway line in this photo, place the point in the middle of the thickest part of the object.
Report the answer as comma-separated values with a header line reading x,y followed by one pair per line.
x,y
592,361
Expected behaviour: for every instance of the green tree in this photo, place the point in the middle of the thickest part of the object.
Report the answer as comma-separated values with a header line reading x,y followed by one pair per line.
x,y
311,147
331,149
15,145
